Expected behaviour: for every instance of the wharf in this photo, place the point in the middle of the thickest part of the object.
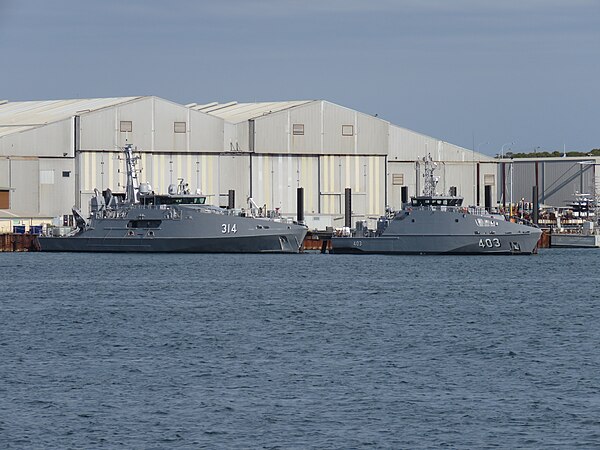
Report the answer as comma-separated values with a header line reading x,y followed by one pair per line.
x,y
545,238
317,241
575,240
16,242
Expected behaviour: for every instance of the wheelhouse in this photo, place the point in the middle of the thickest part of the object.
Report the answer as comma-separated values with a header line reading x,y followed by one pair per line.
x,y
158,200
436,201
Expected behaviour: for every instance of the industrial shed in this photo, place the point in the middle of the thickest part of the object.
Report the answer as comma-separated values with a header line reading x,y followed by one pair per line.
x,y
53,154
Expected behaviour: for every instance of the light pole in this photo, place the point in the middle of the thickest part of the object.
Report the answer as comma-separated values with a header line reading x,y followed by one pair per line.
x,y
475,177
504,145
511,186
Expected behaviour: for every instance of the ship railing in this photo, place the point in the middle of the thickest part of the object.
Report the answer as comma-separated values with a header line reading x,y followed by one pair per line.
x,y
462,209
176,213
478,210
122,212
521,221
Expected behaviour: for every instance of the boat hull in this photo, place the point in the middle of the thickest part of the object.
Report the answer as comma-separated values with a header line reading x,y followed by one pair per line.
x,y
283,243
185,230
429,231
436,245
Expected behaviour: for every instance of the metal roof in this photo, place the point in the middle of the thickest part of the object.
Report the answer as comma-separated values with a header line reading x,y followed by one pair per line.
x,y
21,116
235,112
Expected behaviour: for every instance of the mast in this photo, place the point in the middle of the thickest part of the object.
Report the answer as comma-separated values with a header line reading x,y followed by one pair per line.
x,y
431,181
133,184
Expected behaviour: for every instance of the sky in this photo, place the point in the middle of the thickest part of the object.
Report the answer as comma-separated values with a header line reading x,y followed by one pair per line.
x,y
523,75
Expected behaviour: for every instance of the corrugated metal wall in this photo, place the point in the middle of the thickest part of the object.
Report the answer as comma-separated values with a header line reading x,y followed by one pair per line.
x,y
407,145
211,174
365,175
334,118
558,179
25,184
52,140
39,186
152,128
4,173
322,124
53,196
373,135
275,180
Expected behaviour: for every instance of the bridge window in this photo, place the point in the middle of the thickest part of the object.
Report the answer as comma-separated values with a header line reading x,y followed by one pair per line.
x,y
484,222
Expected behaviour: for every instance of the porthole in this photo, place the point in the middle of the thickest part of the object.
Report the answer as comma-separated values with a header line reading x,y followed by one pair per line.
x,y
130,233
151,233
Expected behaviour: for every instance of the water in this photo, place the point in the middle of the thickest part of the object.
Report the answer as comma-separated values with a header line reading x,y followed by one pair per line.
x,y
299,351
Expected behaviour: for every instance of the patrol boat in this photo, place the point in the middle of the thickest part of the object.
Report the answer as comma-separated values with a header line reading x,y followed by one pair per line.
x,y
142,221
439,224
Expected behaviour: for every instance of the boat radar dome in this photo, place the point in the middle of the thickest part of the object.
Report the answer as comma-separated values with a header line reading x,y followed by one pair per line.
x,y
145,188
172,189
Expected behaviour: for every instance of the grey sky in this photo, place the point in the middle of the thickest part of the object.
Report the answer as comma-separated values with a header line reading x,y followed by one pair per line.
x,y
470,72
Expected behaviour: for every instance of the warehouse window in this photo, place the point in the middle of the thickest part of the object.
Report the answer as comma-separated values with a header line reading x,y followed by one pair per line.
x,y
126,126
4,199
398,179
347,130
180,127
298,129
66,173
46,176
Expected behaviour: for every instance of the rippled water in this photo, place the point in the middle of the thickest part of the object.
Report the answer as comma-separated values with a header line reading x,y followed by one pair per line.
x,y
299,351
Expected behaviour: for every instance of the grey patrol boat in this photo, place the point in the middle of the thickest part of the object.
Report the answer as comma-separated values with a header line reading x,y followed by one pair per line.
x,y
176,222
439,224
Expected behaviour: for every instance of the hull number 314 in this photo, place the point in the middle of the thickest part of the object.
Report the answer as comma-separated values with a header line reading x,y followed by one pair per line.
x,y
489,243
228,228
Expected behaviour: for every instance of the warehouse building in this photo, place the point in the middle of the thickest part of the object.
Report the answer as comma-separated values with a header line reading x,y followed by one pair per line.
x,y
53,154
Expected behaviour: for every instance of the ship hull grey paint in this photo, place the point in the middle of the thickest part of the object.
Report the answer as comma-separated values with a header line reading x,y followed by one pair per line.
x,y
254,244
180,229
428,231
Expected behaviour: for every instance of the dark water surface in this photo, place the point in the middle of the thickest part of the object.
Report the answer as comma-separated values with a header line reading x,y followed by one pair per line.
x,y
300,351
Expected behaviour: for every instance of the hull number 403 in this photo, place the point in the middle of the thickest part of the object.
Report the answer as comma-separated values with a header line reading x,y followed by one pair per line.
x,y
489,243
228,228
